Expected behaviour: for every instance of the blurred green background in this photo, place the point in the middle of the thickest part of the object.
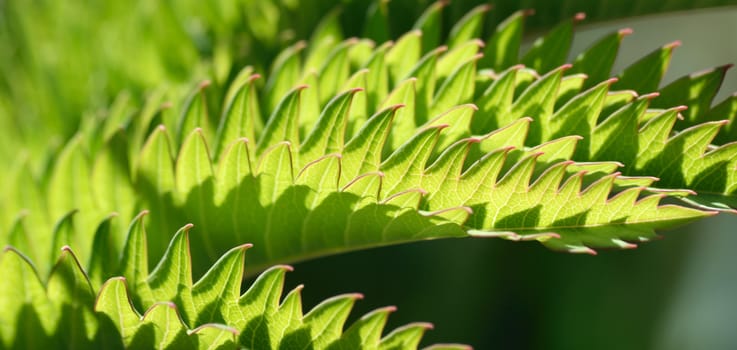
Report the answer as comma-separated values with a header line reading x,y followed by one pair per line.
x,y
679,293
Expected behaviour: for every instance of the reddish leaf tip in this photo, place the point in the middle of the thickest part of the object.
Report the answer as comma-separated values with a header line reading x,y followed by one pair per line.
x,y
204,84
564,67
287,268
628,245
474,139
299,45
390,308
397,106
625,32
440,49
415,32
439,127
485,7
673,45
651,95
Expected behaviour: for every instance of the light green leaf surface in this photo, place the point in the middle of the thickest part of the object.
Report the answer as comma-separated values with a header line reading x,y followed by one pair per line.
x,y
366,143
209,314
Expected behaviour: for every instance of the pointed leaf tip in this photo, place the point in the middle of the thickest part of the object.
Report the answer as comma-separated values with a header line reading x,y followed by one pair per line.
x,y
673,44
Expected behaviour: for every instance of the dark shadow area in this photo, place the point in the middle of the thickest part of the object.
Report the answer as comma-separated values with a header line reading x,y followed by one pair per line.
x,y
497,294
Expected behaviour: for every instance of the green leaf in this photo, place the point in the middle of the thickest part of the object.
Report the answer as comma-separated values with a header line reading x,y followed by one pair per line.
x,y
404,121
299,190
425,74
114,306
28,316
725,110
111,177
695,91
241,117
195,183
24,197
255,319
551,51
282,124
71,294
537,101
104,246
579,117
408,336
403,169
325,36
454,90
328,134
194,114
468,27
597,61
362,154
502,48
134,260
644,76
495,102
286,70
171,279
430,25
366,332
376,27
377,81
334,71
456,57
401,57
220,284
70,189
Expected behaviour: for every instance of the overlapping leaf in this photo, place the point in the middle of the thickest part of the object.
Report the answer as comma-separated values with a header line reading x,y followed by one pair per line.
x,y
364,145
371,165
63,311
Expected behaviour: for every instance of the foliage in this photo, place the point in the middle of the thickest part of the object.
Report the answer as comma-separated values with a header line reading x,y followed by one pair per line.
x,y
346,144
209,314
